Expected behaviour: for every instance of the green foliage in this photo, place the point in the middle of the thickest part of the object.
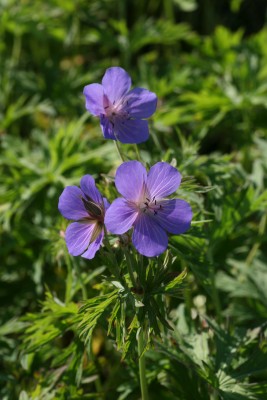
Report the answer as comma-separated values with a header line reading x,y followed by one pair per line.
x,y
216,359
69,326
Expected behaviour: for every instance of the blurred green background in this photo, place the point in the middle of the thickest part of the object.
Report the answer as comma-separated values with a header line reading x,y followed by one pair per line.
x,y
207,62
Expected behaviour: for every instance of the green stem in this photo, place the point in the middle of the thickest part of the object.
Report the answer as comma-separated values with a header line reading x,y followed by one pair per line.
x,y
119,151
69,280
16,50
83,288
256,246
168,10
156,141
116,269
137,153
98,384
130,267
214,291
142,366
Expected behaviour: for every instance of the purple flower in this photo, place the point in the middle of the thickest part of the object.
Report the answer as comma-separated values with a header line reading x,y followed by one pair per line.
x,y
120,109
145,208
87,207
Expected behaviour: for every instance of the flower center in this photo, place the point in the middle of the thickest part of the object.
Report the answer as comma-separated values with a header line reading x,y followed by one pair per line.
x,y
117,110
151,206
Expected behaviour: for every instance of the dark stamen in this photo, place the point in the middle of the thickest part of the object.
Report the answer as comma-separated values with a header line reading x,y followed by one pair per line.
x,y
160,207
148,199
146,203
91,207
155,212
155,202
106,107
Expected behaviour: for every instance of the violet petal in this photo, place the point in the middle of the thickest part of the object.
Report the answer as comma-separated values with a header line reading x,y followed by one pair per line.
x,y
175,216
89,188
148,237
120,216
141,103
106,203
130,180
107,128
162,180
131,130
70,204
78,236
94,98
116,83
94,247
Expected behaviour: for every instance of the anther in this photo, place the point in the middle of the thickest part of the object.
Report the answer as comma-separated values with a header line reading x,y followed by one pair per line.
x,y
155,212
146,203
148,199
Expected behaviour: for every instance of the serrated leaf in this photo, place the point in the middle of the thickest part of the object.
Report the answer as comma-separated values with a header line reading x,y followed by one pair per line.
x,y
91,311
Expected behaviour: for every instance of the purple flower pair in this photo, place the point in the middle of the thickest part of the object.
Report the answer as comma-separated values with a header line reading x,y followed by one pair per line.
x,y
121,110
144,208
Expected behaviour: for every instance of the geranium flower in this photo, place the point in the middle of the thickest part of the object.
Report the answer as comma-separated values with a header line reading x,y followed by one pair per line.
x,y
145,207
120,109
87,207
